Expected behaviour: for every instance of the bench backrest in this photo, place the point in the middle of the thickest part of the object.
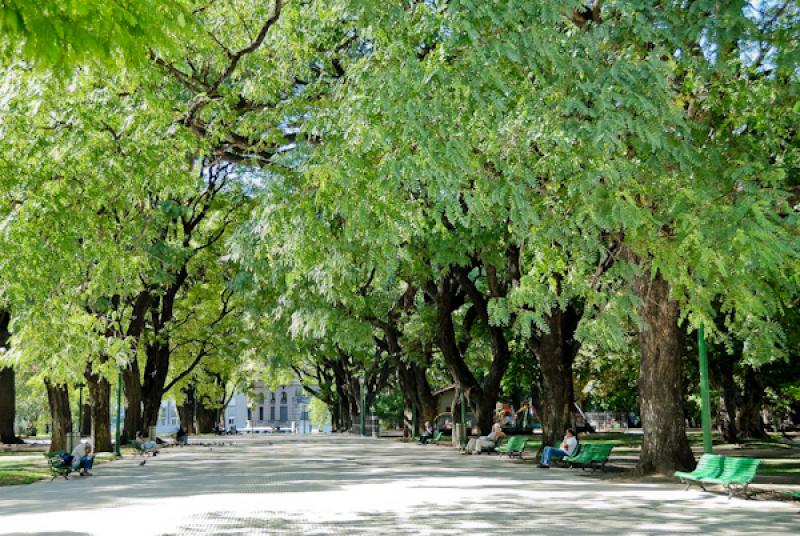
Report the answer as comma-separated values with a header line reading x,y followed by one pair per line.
x,y
516,443
710,465
600,452
740,470
584,454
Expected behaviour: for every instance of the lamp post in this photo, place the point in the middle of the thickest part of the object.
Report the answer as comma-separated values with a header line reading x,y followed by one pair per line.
x,y
704,395
119,408
363,407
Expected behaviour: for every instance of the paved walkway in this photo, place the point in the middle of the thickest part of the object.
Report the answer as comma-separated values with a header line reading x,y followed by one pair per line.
x,y
325,485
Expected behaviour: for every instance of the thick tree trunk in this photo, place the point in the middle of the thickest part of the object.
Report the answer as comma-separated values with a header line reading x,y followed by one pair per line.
x,y
8,410
749,420
186,411
555,352
206,419
151,408
86,419
61,418
133,400
427,402
8,389
721,371
664,447
100,412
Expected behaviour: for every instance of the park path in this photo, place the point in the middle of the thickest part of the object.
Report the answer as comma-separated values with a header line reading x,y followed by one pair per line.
x,y
341,485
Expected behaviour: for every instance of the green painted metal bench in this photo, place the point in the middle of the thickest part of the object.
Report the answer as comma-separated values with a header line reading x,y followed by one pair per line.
x,y
57,465
514,447
582,458
729,472
437,436
736,473
709,466
600,455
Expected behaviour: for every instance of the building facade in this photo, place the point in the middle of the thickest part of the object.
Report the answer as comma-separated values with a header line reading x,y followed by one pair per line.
x,y
285,407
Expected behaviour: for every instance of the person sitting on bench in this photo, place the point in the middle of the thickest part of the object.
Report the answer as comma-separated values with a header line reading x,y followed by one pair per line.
x,y
182,438
83,458
569,447
147,444
477,444
427,435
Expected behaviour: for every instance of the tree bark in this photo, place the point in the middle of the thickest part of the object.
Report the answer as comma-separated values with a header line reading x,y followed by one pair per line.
x,y
133,401
186,411
721,372
555,352
61,418
749,421
206,419
100,412
664,446
8,409
8,389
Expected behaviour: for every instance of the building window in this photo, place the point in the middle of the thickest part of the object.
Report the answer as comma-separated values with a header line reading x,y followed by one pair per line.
x,y
283,397
249,414
261,413
272,413
284,413
273,397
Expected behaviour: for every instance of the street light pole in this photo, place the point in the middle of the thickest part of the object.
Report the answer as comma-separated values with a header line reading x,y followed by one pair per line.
x,y
119,408
704,395
363,407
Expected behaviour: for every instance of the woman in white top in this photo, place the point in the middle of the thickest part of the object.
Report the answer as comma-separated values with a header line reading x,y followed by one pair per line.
x,y
569,447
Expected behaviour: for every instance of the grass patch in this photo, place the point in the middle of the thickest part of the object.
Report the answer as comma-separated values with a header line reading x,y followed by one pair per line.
x,y
24,471
14,478
779,469
25,468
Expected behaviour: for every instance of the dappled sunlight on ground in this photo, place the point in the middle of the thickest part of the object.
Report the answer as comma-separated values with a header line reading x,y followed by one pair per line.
x,y
341,485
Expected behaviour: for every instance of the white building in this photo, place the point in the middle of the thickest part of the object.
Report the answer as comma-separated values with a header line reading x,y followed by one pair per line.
x,y
265,410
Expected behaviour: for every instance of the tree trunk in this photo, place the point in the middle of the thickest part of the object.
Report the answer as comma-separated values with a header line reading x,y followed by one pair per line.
x,y
8,409
133,401
664,446
61,418
186,411
151,408
206,419
749,420
100,412
427,402
555,352
86,419
8,390
721,372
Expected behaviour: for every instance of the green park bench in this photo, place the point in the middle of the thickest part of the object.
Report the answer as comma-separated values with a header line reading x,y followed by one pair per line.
x,y
731,473
58,467
600,455
582,458
437,436
593,456
514,447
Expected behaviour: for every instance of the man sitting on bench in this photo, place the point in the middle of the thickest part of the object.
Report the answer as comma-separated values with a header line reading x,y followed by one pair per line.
x,y
82,458
147,445
569,447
